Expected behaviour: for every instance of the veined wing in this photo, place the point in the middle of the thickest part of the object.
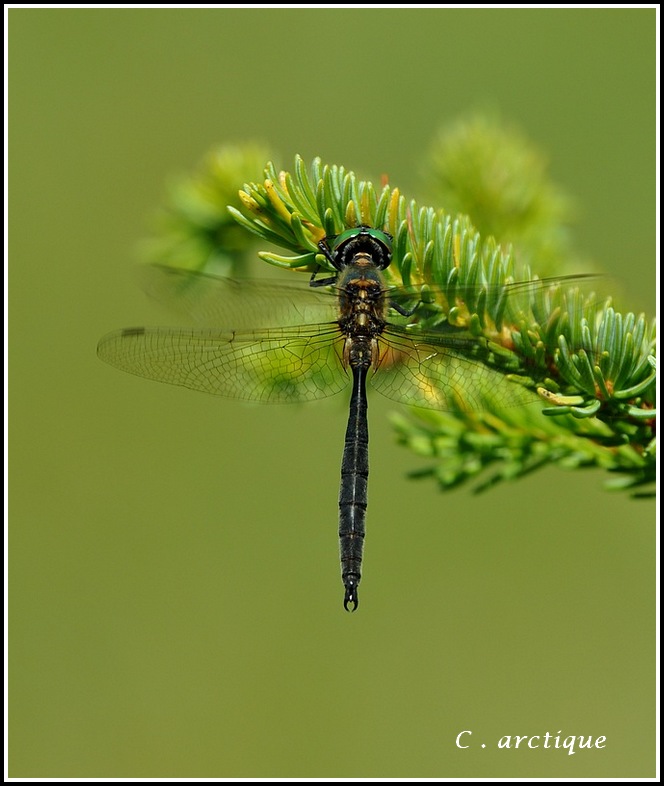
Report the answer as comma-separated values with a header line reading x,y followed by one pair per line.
x,y
437,369
214,301
517,297
278,365
439,372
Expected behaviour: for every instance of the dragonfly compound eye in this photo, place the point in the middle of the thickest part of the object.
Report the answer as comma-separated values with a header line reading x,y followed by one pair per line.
x,y
374,242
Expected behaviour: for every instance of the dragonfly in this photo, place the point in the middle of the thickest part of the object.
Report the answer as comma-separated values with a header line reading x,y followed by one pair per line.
x,y
277,342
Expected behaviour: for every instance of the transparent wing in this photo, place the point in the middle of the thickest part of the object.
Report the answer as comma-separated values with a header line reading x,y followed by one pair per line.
x,y
214,301
439,372
517,298
272,366
301,359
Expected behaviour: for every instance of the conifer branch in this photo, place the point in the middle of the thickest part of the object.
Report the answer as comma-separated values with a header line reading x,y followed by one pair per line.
x,y
592,366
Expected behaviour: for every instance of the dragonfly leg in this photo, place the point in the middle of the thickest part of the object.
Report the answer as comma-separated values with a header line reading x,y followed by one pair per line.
x,y
322,282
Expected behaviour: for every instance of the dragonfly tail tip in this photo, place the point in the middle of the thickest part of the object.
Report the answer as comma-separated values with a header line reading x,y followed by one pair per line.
x,y
351,598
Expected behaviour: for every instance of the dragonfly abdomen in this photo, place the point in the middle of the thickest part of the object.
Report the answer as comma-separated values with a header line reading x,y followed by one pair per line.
x,y
353,491
361,320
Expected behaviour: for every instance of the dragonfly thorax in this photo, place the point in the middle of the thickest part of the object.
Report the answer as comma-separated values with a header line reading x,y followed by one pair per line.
x,y
362,310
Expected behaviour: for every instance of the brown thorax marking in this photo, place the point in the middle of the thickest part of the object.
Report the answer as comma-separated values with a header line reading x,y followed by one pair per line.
x,y
363,314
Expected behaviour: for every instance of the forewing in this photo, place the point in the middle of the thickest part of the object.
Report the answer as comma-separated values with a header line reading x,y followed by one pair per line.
x,y
271,366
517,298
213,301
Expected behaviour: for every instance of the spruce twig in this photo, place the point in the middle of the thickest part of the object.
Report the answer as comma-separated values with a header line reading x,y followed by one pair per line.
x,y
592,366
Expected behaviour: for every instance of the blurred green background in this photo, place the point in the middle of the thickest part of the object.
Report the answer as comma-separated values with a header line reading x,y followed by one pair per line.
x,y
175,593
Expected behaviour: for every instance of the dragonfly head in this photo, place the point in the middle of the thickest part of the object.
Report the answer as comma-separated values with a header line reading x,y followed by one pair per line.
x,y
340,250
